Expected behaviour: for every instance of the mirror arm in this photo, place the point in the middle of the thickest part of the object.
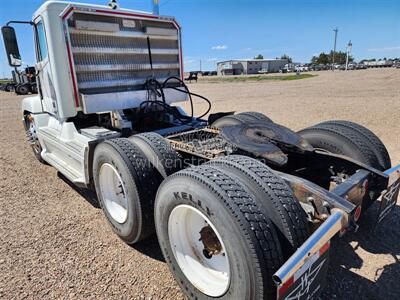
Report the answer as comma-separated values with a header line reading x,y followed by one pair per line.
x,y
20,22
16,71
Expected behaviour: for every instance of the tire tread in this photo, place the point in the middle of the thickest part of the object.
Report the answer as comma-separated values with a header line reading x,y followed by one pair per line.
x,y
145,180
168,157
256,116
375,143
351,137
259,230
291,214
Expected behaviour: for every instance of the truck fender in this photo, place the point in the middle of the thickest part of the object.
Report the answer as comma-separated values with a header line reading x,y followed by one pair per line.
x,y
32,105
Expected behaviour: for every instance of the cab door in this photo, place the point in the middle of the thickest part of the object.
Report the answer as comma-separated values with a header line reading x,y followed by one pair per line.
x,y
43,67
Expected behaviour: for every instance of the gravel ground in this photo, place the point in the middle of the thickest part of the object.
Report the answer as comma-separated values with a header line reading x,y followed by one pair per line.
x,y
55,242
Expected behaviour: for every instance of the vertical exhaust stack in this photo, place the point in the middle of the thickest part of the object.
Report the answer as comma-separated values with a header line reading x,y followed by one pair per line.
x,y
156,8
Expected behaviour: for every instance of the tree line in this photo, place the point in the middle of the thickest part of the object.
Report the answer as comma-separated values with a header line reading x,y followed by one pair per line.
x,y
324,58
284,56
340,58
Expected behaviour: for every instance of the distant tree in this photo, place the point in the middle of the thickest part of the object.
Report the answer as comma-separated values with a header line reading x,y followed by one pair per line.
x,y
259,56
323,58
284,56
314,59
340,57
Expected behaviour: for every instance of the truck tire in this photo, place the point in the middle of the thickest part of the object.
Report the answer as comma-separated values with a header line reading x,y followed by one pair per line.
x,y
341,140
34,89
22,89
374,142
231,120
126,185
31,133
256,116
237,241
8,87
274,194
159,152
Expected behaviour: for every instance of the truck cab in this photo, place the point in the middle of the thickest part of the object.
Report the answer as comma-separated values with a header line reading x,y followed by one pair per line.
x,y
93,63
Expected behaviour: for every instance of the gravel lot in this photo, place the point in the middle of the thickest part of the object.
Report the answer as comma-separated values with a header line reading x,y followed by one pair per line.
x,y
55,242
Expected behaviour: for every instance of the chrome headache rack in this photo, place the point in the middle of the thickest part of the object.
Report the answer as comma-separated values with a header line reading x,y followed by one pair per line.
x,y
114,53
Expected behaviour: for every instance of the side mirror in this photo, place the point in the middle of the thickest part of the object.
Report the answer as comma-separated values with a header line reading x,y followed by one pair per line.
x,y
11,45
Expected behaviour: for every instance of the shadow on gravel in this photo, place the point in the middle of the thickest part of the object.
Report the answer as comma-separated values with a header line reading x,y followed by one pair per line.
x,y
148,247
343,283
87,194
384,239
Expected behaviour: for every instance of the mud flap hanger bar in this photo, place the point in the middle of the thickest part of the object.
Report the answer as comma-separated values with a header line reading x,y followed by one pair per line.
x,y
315,242
338,220
323,199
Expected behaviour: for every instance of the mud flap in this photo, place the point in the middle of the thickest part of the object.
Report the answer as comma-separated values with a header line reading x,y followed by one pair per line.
x,y
303,275
388,200
309,280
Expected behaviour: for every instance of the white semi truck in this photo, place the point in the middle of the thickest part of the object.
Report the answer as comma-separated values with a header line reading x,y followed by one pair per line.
x,y
243,208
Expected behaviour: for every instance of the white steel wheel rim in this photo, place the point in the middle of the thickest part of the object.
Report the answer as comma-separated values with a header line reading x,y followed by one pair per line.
x,y
113,193
210,275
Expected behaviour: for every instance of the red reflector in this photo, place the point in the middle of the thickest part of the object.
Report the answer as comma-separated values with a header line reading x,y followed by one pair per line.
x,y
285,286
357,213
365,185
324,248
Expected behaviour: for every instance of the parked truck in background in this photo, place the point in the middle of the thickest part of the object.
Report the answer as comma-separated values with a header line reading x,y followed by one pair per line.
x,y
243,208
25,81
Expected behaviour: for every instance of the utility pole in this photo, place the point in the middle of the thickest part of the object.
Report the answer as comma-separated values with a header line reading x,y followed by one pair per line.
x,y
334,49
200,65
348,48
156,7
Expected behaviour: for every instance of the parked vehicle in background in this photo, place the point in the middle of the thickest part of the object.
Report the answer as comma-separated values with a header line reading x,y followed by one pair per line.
x,y
314,67
383,63
7,86
302,68
25,81
291,67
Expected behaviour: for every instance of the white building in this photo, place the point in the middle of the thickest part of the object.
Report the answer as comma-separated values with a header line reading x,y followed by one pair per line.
x,y
250,66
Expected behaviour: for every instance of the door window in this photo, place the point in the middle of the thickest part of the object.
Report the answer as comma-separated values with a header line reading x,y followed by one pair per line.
x,y
41,41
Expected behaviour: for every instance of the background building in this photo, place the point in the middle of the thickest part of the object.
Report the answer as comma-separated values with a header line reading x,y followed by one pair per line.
x,y
250,66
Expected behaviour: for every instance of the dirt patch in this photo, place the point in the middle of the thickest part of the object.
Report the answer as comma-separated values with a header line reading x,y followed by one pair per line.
x,y
55,242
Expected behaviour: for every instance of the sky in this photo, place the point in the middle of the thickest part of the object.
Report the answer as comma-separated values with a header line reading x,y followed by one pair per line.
x,y
216,30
